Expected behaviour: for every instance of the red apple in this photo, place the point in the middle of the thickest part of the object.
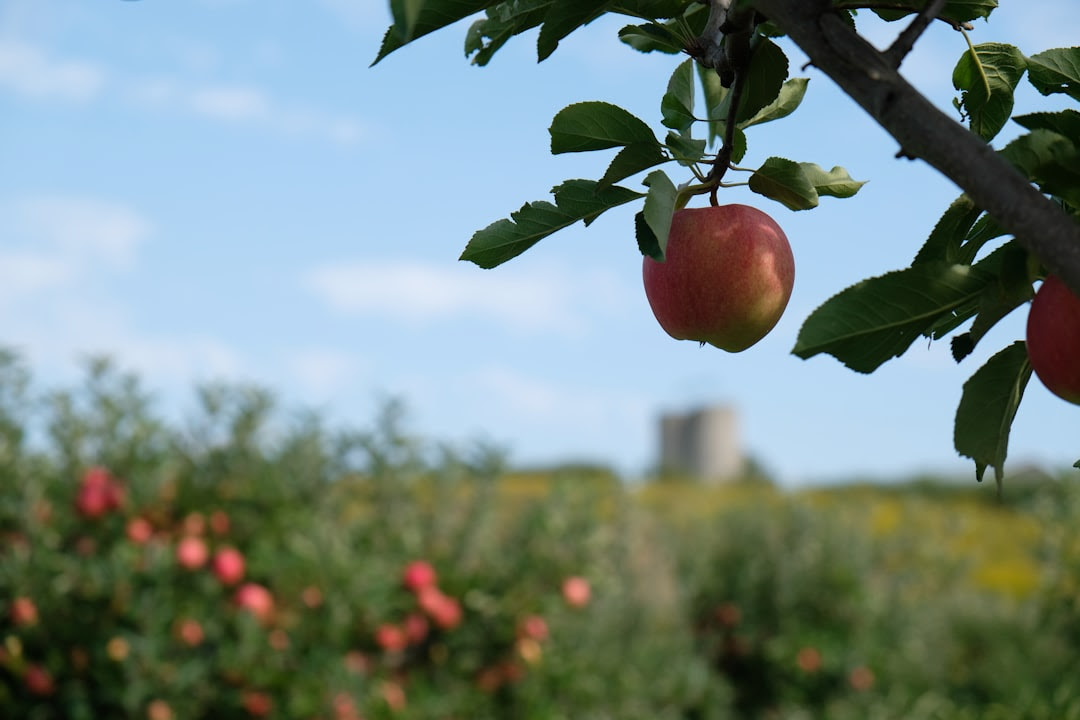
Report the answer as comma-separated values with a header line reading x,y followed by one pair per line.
x,y
192,553
219,522
576,591
444,611
726,277
1053,339
257,704
256,599
534,627
99,493
38,680
24,612
139,530
159,710
228,565
190,632
418,575
391,638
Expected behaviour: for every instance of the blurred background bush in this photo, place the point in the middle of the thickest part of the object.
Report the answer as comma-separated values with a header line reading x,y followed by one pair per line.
x,y
248,562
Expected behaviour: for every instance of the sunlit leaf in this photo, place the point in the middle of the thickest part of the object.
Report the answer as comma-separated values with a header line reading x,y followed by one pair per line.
x,y
834,183
791,95
986,80
786,182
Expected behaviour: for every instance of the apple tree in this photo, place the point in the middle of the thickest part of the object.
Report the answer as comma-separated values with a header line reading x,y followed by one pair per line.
x,y
1014,224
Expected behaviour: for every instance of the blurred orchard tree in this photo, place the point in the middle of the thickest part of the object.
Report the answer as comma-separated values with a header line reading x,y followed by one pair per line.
x,y
1014,225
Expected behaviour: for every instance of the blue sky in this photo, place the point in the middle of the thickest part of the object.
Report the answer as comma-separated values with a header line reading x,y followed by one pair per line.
x,y
223,189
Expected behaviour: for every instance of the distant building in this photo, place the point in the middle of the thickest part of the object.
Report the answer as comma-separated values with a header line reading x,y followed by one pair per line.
x,y
702,444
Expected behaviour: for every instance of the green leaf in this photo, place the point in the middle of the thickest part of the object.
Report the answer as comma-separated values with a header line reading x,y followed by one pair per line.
x,y
660,206
987,407
596,126
1056,71
1010,289
986,80
574,200
1050,160
877,319
715,94
1066,122
564,17
647,241
416,18
949,233
956,10
631,160
505,20
677,105
790,97
685,149
650,37
764,79
834,183
786,182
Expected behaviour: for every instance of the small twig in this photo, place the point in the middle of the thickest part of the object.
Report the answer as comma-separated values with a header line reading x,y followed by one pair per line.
x,y
956,25
906,39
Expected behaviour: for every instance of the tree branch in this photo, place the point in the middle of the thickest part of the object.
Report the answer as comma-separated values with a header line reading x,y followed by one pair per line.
x,y
925,132
906,39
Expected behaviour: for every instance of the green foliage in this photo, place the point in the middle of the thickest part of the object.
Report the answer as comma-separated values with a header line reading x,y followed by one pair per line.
x,y
957,277
732,602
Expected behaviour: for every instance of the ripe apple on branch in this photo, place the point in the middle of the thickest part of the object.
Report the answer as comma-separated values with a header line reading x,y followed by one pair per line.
x,y
1014,224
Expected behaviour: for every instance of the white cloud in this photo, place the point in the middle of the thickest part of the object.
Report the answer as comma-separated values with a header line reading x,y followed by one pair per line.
x,y
528,299
81,230
56,305
323,372
54,243
30,71
230,103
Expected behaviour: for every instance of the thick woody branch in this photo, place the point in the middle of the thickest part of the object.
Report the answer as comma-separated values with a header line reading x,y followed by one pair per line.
x,y
925,132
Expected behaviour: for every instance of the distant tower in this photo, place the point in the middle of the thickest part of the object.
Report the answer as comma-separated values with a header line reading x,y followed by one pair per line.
x,y
702,443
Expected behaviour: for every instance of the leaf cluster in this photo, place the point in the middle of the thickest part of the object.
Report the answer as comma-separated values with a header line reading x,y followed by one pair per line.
x,y
952,280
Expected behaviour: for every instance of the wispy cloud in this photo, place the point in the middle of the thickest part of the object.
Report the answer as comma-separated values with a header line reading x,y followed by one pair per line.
x,y
34,72
61,258
530,299
31,71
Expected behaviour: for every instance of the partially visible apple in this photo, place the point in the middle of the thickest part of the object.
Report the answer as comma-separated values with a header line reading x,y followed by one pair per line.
x,y
228,565
726,277
191,552
256,599
139,530
576,591
24,612
38,680
1053,339
99,493
444,610
418,575
391,638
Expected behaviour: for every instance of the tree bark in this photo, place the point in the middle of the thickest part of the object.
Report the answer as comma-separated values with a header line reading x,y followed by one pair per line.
x,y
926,133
